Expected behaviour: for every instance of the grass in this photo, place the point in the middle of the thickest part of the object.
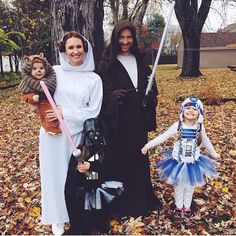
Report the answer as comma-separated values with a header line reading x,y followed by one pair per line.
x,y
9,78
215,82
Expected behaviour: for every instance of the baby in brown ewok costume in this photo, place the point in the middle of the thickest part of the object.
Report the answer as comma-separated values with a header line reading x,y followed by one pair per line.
x,y
35,69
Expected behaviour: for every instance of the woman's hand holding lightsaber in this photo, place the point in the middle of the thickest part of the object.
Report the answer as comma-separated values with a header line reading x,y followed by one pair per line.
x,y
76,152
51,116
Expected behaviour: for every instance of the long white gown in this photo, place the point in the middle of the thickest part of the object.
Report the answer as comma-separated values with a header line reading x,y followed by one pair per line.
x,y
79,94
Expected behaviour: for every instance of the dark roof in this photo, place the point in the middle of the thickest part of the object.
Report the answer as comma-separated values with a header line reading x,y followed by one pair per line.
x,y
229,28
220,39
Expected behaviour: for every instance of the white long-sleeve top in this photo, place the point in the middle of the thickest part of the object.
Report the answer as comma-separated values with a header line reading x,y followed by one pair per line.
x,y
173,130
79,95
130,64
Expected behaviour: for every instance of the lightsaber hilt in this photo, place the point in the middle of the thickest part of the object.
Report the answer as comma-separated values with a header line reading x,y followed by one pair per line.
x,y
148,90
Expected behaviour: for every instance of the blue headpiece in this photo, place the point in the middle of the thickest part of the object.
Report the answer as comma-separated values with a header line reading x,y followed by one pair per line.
x,y
192,102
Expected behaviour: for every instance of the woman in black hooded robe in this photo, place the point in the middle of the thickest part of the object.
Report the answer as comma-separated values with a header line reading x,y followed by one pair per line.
x,y
124,85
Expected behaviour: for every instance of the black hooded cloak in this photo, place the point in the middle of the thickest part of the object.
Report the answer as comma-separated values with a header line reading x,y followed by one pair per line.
x,y
127,127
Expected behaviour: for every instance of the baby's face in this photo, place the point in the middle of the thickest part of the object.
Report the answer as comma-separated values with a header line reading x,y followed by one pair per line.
x,y
38,70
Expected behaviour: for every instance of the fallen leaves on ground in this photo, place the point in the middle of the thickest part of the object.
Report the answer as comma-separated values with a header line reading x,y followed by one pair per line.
x,y
214,204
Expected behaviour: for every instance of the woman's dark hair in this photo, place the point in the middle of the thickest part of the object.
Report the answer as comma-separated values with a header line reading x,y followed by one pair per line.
x,y
62,42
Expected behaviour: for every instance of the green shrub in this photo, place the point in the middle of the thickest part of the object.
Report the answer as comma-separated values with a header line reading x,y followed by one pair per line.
x,y
10,76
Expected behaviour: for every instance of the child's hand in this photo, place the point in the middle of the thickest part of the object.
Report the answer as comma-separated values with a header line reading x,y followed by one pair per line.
x,y
83,167
144,150
36,98
33,108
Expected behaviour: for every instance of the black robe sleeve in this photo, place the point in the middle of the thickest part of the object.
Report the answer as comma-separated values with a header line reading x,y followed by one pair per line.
x,y
110,106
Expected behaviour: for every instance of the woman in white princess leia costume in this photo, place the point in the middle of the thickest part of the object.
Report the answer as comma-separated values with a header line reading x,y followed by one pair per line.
x,y
78,96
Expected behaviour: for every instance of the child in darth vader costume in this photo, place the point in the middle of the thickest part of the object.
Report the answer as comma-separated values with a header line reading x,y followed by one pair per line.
x,y
87,193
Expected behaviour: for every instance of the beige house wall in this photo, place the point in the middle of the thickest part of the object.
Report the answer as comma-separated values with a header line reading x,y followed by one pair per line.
x,y
212,57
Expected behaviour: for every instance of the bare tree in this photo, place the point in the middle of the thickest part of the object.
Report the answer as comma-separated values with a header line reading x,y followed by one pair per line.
x,y
114,5
137,18
125,9
83,16
191,20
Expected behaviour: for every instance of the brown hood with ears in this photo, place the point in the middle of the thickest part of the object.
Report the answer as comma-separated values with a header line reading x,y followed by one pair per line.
x,y
32,85
27,62
31,58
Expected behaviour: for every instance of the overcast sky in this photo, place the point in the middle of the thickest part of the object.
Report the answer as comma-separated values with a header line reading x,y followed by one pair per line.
x,y
216,20
218,17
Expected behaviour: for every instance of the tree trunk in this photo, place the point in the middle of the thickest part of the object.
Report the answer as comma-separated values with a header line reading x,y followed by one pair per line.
x,y
191,20
83,16
191,57
137,19
10,63
1,65
16,60
125,9
114,5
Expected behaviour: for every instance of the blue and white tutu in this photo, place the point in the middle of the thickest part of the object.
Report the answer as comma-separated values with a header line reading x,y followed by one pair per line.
x,y
192,174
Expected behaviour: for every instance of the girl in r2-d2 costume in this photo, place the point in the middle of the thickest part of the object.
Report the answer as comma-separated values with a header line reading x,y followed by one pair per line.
x,y
184,166
87,192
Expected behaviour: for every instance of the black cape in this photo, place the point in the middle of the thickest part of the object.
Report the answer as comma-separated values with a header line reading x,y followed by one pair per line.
x,y
127,133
